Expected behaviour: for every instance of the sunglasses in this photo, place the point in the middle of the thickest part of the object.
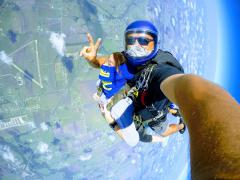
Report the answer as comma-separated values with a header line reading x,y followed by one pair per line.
x,y
141,40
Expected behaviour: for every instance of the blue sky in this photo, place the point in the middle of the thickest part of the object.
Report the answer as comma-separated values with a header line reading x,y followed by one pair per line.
x,y
228,73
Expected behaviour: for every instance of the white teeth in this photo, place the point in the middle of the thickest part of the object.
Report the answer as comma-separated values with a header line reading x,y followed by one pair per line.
x,y
137,51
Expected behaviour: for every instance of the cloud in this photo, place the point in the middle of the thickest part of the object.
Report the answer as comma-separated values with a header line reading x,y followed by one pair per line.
x,y
5,58
58,43
44,126
42,147
8,156
85,157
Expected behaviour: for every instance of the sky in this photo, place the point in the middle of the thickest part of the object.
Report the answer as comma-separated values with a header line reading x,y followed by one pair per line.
x,y
228,68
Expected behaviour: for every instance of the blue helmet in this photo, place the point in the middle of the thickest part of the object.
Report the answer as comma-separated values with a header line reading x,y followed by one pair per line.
x,y
143,27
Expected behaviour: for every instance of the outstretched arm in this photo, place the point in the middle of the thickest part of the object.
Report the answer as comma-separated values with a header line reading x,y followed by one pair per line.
x,y
213,120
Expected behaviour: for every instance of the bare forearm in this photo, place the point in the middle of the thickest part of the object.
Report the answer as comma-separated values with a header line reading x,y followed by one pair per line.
x,y
212,117
98,61
94,64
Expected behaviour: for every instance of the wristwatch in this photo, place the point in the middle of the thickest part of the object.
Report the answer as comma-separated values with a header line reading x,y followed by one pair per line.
x,y
113,124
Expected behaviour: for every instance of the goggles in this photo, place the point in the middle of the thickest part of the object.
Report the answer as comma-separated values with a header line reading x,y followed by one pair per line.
x,y
141,40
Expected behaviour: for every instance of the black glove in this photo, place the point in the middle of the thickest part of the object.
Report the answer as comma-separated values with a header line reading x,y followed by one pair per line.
x,y
177,114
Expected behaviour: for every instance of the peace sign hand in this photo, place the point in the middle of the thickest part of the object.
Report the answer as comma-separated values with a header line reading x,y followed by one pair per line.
x,y
90,52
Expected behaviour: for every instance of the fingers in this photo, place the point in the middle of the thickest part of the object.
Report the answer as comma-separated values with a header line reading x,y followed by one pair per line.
x,y
84,51
98,44
90,52
90,40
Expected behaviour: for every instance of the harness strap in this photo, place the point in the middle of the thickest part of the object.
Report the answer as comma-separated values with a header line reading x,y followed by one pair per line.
x,y
117,97
142,82
138,119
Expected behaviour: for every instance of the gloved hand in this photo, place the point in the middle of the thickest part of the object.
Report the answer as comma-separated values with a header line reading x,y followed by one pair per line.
x,y
177,114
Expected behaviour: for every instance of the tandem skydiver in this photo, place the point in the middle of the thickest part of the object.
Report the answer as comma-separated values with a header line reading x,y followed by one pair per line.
x,y
151,107
112,87
214,134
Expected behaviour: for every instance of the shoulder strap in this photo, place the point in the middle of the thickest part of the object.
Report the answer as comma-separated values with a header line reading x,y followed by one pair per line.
x,y
142,82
